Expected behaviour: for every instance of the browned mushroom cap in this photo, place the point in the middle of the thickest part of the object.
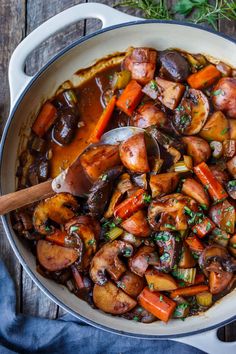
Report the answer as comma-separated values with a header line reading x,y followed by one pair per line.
x,y
59,208
144,257
78,228
107,259
170,243
216,258
168,212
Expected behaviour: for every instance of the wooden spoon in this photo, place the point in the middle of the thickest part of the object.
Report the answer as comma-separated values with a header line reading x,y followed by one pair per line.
x,y
67,181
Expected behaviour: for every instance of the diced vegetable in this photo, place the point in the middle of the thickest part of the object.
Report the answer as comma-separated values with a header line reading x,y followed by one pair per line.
x,y
131,284
114,233
232,245
204,227
217,149
130,97
130,205
163,183
181,167
121,79
170,93
232,128
219,281
220,237
151,89
45,119
187,274
229,148
189,291
231,188
113,202
181,310
158,281
133,153
231,167
224,96
57,237
137,224
224,216
53,257
140,261
204,77
194,243
195,190
98,159
198,148
159,305
103,121
148,114
206,177
186,258
111,299
216,127
199,278
204,299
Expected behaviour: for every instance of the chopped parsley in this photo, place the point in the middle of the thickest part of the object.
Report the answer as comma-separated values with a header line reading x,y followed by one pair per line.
x,y
91,242
74,228
224,131
135,318
104,177
218,92
232,183
161,298
233,245
162,236
48,228
151,286
109,224
208,226
127,252
169,226
147,198
121,285
153,85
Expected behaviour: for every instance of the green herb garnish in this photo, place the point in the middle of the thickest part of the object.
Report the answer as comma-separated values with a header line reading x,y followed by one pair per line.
x,y
74,228
147,198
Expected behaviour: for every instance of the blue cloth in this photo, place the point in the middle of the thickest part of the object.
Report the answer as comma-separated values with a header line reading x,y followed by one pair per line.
x,y
67,335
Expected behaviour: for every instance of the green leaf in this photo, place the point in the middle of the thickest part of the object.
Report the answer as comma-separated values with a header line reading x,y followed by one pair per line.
x,y
184,7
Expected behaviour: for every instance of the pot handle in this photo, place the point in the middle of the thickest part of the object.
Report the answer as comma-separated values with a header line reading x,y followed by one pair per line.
x,y
17,77
209,343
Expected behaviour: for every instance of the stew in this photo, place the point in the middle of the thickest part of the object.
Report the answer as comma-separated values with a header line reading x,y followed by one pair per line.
x,y
155,238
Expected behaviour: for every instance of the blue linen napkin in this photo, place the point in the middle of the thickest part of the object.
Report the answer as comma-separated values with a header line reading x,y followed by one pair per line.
x,y
67,335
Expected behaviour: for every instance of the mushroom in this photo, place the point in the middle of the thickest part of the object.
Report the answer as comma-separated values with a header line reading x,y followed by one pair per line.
x,y
168,212
107,259
59,208
174,66
170,244
101,191
215,258
145,256
109,298
78,228
192,113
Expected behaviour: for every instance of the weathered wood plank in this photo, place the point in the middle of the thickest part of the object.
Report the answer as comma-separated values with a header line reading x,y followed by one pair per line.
x,y
12,14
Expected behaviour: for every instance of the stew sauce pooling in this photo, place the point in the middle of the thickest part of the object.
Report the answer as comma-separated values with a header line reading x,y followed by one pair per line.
x,y
155,238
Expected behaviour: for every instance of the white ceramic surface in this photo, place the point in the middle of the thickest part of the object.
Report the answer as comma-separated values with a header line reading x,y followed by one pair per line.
x,y
26,100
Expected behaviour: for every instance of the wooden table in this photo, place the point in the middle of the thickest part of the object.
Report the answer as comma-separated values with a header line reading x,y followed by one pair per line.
x,y
18,19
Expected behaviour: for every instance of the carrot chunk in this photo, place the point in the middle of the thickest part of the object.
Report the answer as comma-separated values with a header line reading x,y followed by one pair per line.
x,y
45,119
130,205
204,227
204,77
208,180
103,121
158,304
130,97
57,237
189,291
194,243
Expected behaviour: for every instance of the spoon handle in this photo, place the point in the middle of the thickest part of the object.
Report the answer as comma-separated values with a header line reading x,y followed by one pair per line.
x,y
15,200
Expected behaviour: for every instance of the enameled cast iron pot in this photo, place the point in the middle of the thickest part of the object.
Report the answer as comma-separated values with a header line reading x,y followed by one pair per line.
x,y
27,93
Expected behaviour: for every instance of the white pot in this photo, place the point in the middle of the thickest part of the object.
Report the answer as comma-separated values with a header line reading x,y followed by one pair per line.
x,y
27,94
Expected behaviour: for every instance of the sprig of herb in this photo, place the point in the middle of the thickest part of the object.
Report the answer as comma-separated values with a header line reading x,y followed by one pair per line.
x,y
203,11
151,8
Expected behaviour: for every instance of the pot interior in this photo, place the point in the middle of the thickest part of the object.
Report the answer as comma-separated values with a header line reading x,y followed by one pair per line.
x,y
84,54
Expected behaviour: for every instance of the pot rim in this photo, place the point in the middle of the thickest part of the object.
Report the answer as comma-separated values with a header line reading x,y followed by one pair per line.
x,y
6,222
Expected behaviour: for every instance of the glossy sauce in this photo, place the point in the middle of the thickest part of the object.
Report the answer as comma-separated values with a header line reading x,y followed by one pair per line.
x,y
89,96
